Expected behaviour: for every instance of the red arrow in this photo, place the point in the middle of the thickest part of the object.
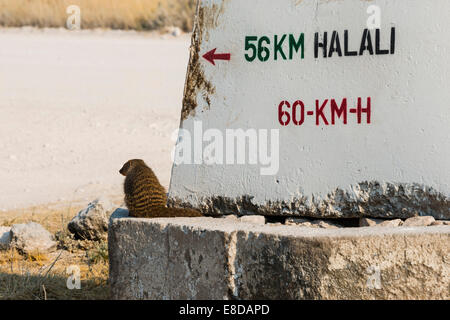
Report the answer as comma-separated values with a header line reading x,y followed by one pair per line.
x,y
211,56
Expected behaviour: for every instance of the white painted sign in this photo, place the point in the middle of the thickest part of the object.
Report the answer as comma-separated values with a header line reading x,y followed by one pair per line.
x,y
314,107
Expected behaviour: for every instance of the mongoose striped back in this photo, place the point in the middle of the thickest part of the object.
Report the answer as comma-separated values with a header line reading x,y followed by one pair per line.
x,y
145,197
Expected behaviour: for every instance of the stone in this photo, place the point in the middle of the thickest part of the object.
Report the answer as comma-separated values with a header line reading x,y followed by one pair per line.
x,y
305,225
119,213
5,237
210,258
230,217
253,219
441,223
370,222
173,31
176,32
31,237
92,222
391,223
325,224
297,221
418,221
301,222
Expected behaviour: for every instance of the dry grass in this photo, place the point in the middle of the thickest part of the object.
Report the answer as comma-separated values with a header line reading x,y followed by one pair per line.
x,y
52,217
115,14
44,276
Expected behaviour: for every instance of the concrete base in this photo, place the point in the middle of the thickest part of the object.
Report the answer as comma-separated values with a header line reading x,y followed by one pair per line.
x,y
218,258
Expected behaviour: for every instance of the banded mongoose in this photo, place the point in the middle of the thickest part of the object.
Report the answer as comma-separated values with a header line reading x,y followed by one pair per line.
x,y
145,197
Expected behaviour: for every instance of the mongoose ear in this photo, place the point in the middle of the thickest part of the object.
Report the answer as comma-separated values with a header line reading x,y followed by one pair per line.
x,y
140,162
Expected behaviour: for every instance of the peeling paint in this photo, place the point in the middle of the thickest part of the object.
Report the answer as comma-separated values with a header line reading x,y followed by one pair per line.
x,y
196,82
367,199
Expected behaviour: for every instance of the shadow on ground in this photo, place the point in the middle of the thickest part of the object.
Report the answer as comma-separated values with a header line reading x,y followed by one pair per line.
x,y
51,287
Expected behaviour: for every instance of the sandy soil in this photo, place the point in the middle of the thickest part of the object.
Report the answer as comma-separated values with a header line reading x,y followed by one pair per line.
x,y
76,105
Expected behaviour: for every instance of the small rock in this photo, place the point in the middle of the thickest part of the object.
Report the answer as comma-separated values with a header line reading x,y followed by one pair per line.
x,y
326,225
391,223
230,217
253,219
296,221
31,237
301,222
419,221
5,237
305,224
440,223
370,222
274,224
92,222
175,31
118,214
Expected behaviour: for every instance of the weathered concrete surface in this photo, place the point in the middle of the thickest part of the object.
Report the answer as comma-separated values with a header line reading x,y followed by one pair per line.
x,y
355,264
210,258
159,260
367,199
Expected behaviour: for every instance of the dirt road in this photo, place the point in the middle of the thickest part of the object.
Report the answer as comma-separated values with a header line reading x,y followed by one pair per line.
x,y
76,105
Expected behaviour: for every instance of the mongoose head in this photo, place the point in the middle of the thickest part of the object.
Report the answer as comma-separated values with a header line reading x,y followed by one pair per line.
x,y
130,164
